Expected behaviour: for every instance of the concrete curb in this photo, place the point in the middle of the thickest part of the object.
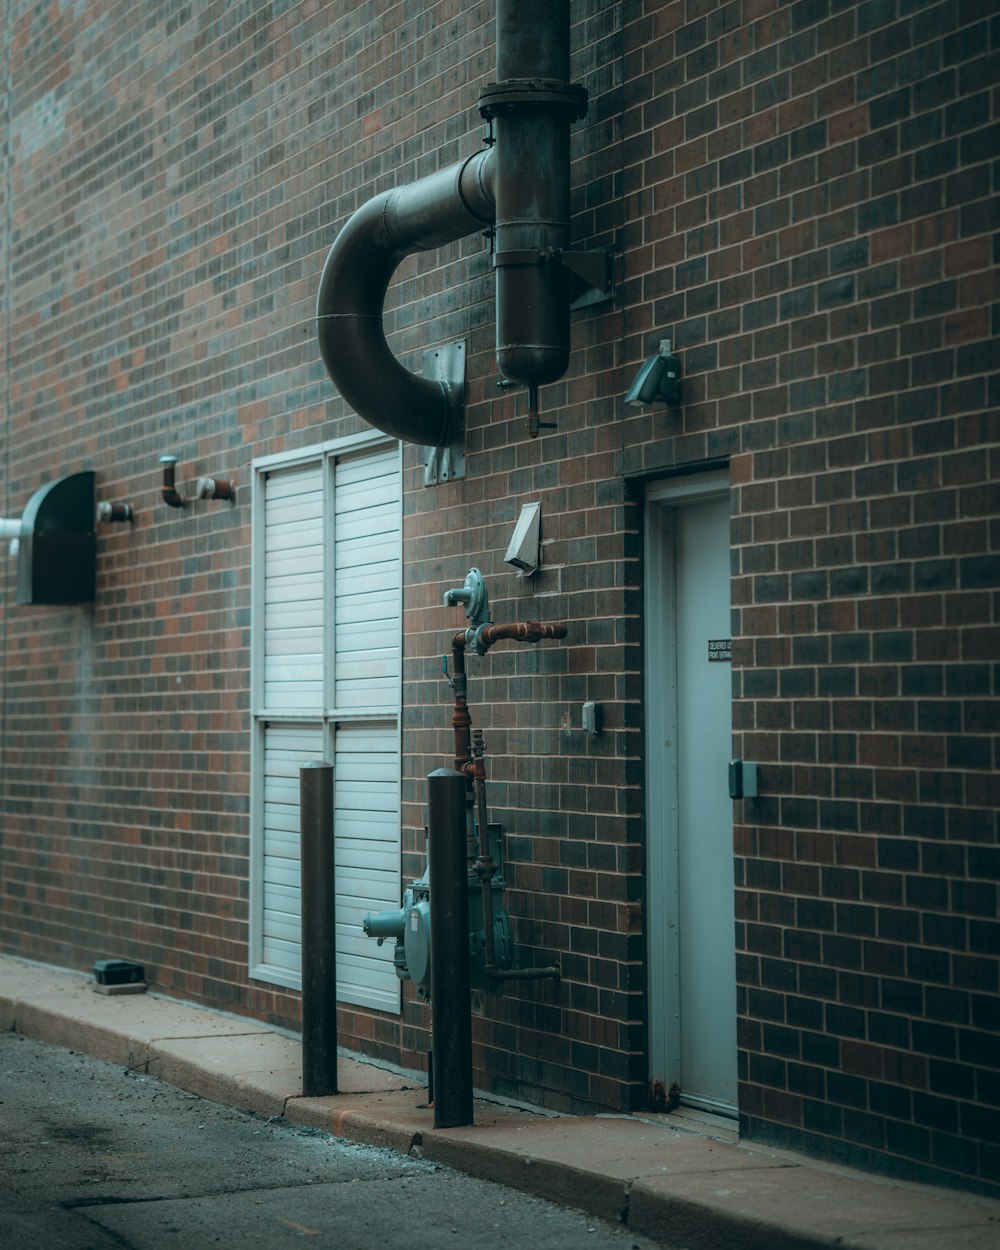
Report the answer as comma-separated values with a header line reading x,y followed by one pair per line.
x,y
668,1183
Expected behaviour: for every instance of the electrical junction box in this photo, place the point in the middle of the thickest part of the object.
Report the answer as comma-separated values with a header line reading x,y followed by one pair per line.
x,y
742,780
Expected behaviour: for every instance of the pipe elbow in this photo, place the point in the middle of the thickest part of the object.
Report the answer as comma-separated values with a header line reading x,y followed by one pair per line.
x,y
349,310
169,492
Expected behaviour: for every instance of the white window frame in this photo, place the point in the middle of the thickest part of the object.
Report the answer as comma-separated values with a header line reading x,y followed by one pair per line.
x,y
329,716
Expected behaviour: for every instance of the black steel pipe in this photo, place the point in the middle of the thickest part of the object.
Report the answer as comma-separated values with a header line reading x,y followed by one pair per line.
x,y
319,930
531,106
523,184
438,209
451,1015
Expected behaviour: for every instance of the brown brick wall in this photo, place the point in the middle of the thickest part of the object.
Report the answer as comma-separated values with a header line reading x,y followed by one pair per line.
x,y
802,195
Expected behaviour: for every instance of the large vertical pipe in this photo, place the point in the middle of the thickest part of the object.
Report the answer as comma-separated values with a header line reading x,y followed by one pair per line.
x,y
532,105
319,930
526,177
451,1012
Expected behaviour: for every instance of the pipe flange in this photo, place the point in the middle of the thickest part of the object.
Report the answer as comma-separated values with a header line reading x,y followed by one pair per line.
x,y
532,93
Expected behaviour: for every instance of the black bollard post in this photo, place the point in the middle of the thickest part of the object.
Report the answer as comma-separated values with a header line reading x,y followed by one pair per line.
x,y
319,931
451,1011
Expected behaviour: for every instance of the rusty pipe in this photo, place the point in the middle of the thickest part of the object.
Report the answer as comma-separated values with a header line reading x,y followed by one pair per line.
x,y
485,865
171,495
469,752
483,638
461,721
486,868
519,631
216,488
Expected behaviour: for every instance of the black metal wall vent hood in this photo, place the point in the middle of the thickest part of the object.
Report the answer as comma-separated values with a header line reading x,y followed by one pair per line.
x,y
520,189
57,552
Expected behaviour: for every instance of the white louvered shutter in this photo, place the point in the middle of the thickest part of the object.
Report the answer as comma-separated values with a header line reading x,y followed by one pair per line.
x,y
293,590
286,749
367,582
366,817
329,687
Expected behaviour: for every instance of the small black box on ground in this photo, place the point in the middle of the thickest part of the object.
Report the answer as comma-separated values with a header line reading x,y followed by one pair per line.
x,y
118,972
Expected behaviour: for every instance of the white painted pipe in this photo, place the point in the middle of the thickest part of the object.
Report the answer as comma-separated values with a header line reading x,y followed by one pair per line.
x,y
10,528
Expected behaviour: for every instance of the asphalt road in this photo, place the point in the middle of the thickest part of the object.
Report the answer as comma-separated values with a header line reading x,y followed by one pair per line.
x,y
96,1158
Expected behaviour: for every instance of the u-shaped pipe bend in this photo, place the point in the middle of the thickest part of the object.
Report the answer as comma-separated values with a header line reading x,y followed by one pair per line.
x,y
444,206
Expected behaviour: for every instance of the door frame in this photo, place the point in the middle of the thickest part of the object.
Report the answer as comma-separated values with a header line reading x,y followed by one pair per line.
x,y
662,818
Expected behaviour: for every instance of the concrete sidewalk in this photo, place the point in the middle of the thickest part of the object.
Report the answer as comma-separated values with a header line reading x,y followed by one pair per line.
x,y
686,1188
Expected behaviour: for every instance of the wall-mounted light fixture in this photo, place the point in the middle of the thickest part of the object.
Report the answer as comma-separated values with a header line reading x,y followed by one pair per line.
x,y
658,381
524,551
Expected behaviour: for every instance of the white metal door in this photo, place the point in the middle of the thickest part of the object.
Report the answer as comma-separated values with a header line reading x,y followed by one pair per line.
x,y
691,917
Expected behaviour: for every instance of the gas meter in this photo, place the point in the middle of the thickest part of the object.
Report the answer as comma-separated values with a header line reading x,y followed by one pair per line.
x,y
410,925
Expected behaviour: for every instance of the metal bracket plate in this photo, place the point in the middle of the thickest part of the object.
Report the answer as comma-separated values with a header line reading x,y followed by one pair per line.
x,y
593,277
447,364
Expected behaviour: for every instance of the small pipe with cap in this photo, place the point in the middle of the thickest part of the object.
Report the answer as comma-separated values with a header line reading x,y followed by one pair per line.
x,y
171,495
